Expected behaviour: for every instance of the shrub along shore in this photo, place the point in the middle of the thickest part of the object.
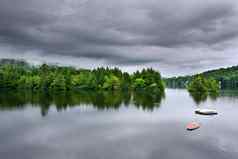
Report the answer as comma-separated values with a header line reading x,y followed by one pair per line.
x,y
201,85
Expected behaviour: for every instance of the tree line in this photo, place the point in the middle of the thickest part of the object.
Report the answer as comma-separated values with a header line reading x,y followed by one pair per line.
x,y
16,74
227,78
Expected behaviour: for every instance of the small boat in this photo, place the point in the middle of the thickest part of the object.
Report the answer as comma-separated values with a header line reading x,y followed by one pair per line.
x,y
206,111
193,126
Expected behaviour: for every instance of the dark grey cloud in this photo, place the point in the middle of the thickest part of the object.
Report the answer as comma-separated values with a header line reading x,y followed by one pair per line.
x,y
168,35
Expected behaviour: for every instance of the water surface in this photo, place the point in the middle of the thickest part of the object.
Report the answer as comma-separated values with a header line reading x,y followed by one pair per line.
x,y
117,125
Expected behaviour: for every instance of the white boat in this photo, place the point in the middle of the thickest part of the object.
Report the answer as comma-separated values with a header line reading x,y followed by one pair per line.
x,y
206,111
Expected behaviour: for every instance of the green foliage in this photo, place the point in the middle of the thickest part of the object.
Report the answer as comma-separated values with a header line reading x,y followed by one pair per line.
x,y
139,83
202,85
20,75
226,77
59,83
213,86
126,81
9,75
29,82
46,80
198,84
148,79
200,88
84,80
76,80
111,83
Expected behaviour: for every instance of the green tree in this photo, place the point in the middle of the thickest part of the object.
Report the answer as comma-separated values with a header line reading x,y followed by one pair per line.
x,y
213,86
139,83
76,80
20,75
9,75
29,82
198,85
201,85
59,83
125,81
85,80
111,83
149,80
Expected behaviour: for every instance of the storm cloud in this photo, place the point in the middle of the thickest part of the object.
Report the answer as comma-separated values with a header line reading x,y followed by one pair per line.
x,y
175,37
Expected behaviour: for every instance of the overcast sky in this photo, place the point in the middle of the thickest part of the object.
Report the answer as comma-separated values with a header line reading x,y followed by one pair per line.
x,y
173,36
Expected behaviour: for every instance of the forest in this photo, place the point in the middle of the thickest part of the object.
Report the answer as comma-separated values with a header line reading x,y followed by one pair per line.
x,y
227,78
17,74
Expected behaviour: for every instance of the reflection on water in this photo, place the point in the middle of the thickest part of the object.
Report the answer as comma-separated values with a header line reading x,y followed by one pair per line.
x,y
100,100
229,93
202,97
198,98
128,133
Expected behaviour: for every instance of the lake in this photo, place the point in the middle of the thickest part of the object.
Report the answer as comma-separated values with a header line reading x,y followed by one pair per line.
x,y
116,125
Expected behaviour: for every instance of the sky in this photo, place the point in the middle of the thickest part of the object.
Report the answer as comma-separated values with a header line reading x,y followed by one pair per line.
x,y
175,37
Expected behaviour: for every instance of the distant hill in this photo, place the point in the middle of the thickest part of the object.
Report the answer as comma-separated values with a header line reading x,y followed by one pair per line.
x,y
228,78
13,62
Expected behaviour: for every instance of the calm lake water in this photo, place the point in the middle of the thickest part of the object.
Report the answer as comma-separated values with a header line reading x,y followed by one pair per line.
x,y
108,125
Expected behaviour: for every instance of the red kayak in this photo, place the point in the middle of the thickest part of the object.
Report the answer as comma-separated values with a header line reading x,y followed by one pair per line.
x,y
192,126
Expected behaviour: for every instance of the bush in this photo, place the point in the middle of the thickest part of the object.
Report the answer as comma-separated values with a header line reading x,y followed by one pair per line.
x,y
201,85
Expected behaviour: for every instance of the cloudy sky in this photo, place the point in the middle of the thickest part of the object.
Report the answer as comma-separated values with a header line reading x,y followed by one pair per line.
x,y
176,37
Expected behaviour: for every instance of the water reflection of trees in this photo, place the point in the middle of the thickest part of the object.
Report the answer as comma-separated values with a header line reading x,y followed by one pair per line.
x,y
147,100
202,97
229,93
101,100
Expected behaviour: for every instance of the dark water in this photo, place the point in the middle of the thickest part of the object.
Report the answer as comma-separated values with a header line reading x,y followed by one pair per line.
x,y
106,125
